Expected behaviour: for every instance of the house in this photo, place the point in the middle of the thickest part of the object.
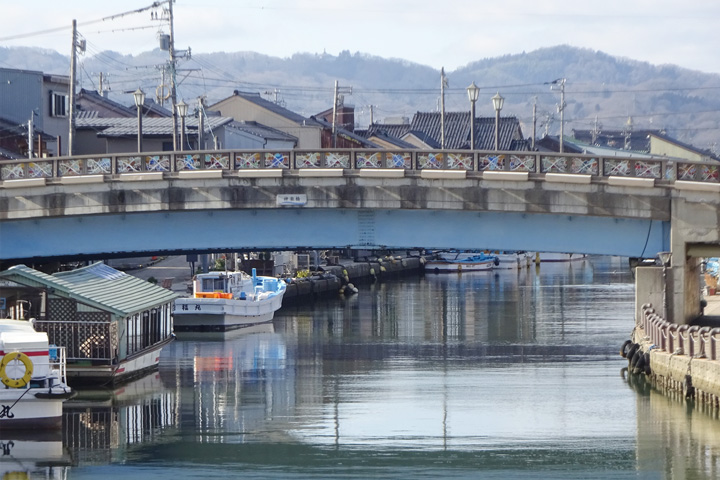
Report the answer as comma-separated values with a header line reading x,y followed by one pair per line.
x,y
661,144
119,134
14,141
627,139
45,98
424,131
112,325
251,107
343,138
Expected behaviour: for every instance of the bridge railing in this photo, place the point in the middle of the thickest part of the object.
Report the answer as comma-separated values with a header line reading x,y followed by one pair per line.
x,y
694,341
351,160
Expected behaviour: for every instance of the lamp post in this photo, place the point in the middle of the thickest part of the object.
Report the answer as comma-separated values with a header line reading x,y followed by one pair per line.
x,y
665,258
473,91
182,109
139,103
497,101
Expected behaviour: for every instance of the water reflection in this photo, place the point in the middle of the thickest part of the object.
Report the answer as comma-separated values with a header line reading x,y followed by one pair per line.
x,y
231,386
101,426
500,375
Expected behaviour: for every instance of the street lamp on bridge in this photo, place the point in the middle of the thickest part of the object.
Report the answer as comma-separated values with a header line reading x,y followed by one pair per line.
x,y
473,91
497,101
182,109
139,96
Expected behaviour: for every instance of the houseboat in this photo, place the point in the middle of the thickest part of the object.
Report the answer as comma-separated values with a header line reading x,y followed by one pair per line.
x,y
112,325
32,375
224,301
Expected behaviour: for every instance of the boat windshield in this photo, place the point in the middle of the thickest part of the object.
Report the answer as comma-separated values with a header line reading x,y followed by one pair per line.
x,y
213,284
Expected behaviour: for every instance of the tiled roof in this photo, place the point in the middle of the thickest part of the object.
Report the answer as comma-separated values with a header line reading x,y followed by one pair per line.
x,y
160,126
98,285
398,130
426,126
93,97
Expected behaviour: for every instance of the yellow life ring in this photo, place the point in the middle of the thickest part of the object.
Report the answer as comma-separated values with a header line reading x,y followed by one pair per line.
x,y
16,382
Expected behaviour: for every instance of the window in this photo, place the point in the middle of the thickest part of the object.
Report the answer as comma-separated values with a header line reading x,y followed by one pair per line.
x,y
59,104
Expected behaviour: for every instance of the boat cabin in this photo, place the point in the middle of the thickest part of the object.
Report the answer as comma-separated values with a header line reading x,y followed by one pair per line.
x,y
111,324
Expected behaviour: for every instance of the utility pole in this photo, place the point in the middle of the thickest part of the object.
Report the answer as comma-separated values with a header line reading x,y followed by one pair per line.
x,y
561,108
338,100
173,86
31,132
71,111
534,121
201,124
443,84
334,118
371,114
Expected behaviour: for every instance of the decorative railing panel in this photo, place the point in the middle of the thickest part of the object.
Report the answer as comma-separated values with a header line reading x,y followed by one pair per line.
x,y
337,160
216,161
710,173
277,160
307,160
460,161
129,164
491,162
431,160
620,168
522,163
648,169
552,164
188,161
157,163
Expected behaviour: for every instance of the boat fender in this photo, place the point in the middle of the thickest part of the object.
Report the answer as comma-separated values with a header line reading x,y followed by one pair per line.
x,y
640,364
635,359
631,351
16,382
496,261
624,348
648,371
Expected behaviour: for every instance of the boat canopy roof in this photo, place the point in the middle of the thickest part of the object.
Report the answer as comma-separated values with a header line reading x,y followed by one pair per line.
x,y
97,285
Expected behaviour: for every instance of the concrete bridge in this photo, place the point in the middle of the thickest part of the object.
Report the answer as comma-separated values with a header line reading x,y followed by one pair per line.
x,y
173,202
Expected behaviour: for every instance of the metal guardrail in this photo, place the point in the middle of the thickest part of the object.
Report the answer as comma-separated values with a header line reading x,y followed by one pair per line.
x,y
694,341
349,159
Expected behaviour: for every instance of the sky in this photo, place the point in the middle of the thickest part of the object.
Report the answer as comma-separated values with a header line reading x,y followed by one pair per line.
x,y
449,33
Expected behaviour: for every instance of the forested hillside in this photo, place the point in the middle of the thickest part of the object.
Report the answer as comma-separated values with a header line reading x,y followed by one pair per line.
x,y
600,90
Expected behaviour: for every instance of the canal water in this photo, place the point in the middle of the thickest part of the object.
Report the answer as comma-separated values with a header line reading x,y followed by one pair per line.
x,y
503,374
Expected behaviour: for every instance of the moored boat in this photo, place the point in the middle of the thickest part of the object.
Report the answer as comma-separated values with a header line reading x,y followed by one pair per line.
x,y
32,373
113,325
224,301
461,262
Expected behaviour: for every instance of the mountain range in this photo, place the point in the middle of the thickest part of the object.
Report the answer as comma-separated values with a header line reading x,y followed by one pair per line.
x,y
602,92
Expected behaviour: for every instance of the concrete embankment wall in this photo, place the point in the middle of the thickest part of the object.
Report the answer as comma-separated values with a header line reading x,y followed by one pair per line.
x,y
687,366
334,277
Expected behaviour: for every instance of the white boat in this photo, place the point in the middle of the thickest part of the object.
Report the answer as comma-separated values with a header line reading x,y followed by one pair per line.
x,y
461,262
513,260
224,301
32,373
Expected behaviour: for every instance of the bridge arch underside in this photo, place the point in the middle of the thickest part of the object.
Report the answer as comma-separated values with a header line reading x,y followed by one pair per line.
x,y
111,235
